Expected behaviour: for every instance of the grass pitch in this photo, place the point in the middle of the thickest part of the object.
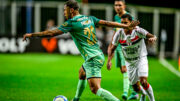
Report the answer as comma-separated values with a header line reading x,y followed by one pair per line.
x,y
41,77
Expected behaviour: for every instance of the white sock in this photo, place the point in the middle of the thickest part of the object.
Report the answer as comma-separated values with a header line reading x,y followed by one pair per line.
x,y
142,91
150,93
106,95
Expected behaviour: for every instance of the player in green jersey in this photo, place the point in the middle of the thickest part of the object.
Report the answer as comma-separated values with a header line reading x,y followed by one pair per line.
x,y
119,6
82,30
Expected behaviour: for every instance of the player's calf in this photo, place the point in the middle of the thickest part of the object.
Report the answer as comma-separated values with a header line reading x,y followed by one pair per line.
x,y
94,84
95,87
147,88
139,89
81,84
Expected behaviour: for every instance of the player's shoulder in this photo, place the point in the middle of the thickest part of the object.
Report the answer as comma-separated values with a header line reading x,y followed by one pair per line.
x,y
116,17
138,28
91,16
77,17
67,23
130,14
141,30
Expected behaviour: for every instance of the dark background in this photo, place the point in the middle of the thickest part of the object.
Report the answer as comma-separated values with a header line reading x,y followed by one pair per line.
x,y
155,3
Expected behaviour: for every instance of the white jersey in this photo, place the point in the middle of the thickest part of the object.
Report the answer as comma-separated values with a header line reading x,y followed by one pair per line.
x,y
133,45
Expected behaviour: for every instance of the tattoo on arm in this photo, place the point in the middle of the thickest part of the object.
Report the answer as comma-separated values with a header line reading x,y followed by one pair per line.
x,y
149,35
49,33
112,24
107,23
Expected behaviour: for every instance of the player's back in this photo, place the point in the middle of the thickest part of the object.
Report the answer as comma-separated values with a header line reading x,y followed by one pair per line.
x,y
82,30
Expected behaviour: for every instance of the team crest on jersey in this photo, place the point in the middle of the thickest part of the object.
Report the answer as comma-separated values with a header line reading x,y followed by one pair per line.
x,y
128,40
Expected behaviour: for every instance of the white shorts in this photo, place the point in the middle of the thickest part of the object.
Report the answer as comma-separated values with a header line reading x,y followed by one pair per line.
x,y
137,69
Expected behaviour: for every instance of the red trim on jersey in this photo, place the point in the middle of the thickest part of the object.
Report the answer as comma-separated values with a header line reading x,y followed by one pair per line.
x,y
136,38
124,41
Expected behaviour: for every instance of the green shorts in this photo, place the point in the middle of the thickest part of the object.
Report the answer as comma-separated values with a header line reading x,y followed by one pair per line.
x,y
119,57
93,66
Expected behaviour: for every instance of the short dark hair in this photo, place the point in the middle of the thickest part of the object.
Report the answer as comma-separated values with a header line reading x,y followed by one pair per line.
x,y
128,16
72,4
120,0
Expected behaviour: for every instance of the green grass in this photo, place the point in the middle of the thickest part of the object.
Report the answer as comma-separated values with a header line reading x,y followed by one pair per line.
x,y
174,63
41,77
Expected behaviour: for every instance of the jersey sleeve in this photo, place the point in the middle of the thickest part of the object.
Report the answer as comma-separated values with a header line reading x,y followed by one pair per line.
x,y
116,38
142,32
96,20
66,27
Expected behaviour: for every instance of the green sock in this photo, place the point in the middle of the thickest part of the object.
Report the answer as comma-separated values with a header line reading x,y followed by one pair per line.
x,y
125,82
132,90
81,85
106,95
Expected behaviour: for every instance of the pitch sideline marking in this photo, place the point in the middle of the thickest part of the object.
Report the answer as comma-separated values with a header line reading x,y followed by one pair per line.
x,y
170,67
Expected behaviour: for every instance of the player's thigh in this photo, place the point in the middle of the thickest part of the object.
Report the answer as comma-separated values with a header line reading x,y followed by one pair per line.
x,y
93,67
132,74
143,81
143,67
95,84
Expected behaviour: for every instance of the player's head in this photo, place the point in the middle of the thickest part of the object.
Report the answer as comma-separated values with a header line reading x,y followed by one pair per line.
x,y
119,6
70,7
126,19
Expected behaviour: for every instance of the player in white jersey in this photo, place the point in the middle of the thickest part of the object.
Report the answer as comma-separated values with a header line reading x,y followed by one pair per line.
x,y
135,54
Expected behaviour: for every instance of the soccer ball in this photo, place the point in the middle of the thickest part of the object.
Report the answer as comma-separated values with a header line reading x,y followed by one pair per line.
x,y
60,98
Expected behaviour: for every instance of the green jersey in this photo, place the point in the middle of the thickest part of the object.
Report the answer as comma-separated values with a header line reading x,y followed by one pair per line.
x,y
82,30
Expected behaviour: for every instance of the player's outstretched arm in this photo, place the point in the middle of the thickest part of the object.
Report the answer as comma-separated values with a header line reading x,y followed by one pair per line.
x,y
48,33
119,25
110,56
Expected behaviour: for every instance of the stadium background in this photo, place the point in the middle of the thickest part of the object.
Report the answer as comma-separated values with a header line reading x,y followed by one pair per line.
x,y
39,69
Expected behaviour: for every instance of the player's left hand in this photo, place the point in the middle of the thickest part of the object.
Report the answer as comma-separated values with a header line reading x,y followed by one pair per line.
x,y
109,64
152,40
28,35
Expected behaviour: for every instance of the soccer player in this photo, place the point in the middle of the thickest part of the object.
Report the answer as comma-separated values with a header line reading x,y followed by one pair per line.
x,y
82,30
119,6
135,53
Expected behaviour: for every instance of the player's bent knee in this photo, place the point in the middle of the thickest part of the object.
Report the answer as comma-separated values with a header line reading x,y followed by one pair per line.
x,y
144,83
94,89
